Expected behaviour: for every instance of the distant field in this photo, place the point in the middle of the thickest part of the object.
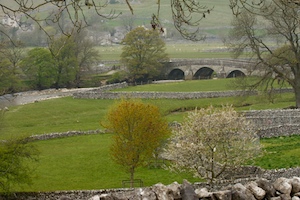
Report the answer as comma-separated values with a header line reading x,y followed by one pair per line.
x,y
174,50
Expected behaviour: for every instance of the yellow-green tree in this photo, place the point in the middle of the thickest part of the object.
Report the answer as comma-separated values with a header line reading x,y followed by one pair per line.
x,y
138,130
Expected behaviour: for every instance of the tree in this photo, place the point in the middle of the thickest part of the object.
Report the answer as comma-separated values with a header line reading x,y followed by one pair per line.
x,y
39,67
14,165
210,141
15,158
66,64
275,48
138,130
10,71
143,53
86,54
5,76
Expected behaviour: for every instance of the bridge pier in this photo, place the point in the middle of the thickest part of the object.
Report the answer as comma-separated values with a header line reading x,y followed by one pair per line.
x,y
188,74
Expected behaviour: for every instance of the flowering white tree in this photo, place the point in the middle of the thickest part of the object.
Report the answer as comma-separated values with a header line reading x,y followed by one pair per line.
x,y
211,141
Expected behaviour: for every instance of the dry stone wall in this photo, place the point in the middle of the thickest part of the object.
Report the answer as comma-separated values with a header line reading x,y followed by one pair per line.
x,y
275,123
103,93
259,189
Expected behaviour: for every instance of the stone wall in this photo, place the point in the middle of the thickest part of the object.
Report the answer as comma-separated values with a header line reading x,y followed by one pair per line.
x,y
155,95
255,189
102,93
64,134
275,123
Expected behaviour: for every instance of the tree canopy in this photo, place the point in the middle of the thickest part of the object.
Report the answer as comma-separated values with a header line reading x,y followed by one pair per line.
x,y
138,129
211,141
271,36
143,53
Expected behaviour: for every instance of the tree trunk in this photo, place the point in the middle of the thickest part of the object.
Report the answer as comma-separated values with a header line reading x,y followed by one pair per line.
x,y
297,96
132,177
297,91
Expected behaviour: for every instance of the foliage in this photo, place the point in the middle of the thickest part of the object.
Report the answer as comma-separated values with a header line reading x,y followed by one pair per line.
x,y
15,155
143,54
138,131
66,64
14,166
39,67
5,76
117,77
210,141
86,54
10,72
280,21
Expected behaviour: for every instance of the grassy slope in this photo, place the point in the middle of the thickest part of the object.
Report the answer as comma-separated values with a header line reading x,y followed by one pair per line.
x,y
84,163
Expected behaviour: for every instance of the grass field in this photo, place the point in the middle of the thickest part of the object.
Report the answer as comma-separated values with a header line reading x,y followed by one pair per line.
x,y
184,50
282,152
83,162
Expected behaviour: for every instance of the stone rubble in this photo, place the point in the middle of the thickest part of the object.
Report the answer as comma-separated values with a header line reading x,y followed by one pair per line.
x,y
260,189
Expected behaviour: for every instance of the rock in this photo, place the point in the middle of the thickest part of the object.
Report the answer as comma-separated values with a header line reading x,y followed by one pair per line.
x,y
147,194
125,195
102,197
187,191
267,187
222,195
283,186
285,197
202,193
295,182
275,198
175,189
297,194
64,198
162,192
240,192
258,192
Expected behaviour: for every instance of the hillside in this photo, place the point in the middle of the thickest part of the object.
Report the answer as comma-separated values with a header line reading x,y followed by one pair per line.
x,y
143,10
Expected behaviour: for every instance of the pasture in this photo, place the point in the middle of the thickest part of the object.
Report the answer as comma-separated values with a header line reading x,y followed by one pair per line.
x,y
174,50
83,162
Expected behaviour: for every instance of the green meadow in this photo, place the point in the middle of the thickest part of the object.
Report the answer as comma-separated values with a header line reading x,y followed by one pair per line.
x,y
83,162
174,50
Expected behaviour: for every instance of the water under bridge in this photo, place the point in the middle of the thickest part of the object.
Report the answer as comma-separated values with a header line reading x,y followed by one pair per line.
x,y
207,68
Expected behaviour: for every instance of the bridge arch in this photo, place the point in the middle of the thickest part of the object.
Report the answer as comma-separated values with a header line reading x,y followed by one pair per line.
x,y
203,73
176,74
236,73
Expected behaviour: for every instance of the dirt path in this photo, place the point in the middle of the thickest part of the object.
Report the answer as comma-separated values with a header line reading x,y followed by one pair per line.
x,y
33,96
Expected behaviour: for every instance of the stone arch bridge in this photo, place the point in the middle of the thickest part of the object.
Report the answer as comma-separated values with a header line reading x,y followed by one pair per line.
x,y
207,68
